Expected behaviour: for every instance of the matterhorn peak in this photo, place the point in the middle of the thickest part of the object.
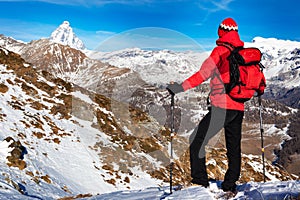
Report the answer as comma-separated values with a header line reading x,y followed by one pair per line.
x,y
64,35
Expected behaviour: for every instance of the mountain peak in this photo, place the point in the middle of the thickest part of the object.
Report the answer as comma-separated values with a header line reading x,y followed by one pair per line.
x,y
64,35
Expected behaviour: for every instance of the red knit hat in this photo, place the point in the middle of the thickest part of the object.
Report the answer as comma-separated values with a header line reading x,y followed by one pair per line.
x,y
227,25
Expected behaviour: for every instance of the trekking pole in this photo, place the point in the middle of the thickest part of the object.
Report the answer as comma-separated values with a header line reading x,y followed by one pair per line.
x,y
172,134
262,136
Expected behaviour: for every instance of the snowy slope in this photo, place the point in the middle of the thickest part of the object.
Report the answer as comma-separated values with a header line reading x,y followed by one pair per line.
x,y
250,191
44,156
64,151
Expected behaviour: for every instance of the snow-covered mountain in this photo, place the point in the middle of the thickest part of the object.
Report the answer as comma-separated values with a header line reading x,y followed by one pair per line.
x,y
11,44
68,118
155,67
58,140
280,57
73,65
64,35
282,61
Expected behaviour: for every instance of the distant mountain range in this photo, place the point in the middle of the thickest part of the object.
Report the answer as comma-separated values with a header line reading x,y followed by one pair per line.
x,y
85,122
281,59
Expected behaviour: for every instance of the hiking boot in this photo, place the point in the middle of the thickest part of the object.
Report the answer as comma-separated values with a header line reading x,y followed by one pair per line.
x,y
198,185
227,189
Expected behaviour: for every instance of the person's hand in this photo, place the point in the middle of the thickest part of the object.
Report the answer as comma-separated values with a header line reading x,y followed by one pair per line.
x,y
174,88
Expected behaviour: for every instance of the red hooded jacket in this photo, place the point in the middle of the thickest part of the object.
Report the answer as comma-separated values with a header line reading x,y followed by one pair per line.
x,y
212,67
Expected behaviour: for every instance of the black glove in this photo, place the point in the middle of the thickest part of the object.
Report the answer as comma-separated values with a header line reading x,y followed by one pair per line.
x,y
175,88
259,93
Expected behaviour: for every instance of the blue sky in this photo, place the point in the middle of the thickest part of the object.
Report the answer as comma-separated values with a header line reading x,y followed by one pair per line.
x,y
95,21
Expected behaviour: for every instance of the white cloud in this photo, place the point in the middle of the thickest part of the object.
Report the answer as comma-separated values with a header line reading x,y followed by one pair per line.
x,y
100,32
214,6
222,5
87,2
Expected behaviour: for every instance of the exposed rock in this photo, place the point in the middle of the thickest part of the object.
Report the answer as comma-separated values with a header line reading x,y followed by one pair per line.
x,y
17,154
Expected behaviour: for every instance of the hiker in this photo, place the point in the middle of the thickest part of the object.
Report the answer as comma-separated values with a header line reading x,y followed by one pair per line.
x,y
224,111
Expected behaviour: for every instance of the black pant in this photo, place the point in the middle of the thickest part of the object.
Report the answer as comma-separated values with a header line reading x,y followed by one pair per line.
x,y
209,126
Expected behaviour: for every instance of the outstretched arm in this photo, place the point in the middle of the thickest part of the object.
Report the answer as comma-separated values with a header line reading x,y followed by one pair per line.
x,y
207,68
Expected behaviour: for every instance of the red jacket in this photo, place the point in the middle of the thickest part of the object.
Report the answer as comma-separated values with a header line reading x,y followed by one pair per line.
x,y
215,64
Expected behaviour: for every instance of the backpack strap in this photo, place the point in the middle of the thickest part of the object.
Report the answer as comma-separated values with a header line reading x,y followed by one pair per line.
x,y
233,66
230,46
227,45
262,67
228,86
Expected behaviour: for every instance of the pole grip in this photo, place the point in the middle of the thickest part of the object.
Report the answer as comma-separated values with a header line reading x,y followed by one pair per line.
x,y
259,100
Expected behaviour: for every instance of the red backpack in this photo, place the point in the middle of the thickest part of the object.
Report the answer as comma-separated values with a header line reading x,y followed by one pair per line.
x,y
246,73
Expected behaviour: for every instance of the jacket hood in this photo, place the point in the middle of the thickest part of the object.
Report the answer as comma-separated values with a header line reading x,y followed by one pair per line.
x,y
232,37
